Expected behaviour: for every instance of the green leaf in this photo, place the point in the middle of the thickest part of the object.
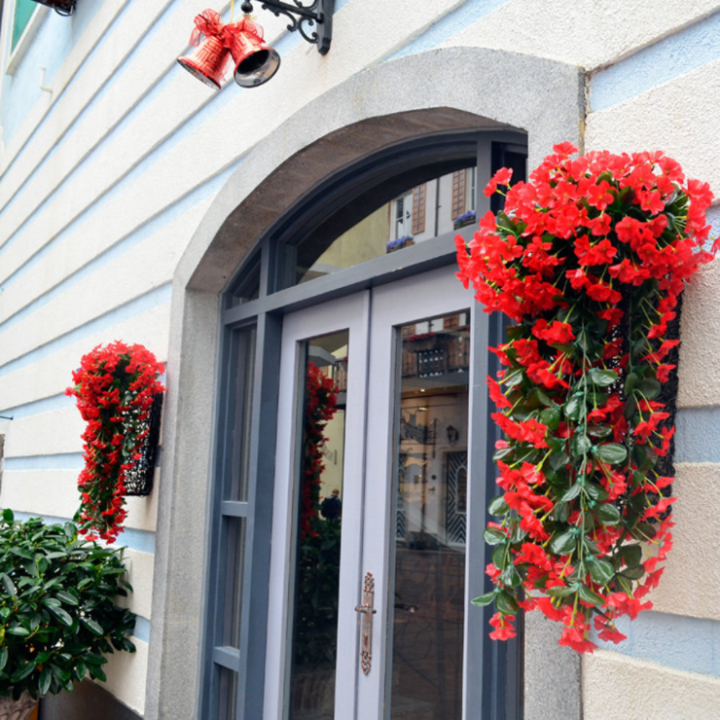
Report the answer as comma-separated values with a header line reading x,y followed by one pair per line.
x,y
580,444
573,492
599,431
3,658
607,513
602,378
573,408
498,506
93,626
485,599
595,492
612,453
601,571
9,585
631,554
650,388
559,460
8,516
630,383
560,591
564,543
625,584
493,536
590,596
506,603
634,573
561,512
45,681
551,417
63,616
67,598
22,673
499,557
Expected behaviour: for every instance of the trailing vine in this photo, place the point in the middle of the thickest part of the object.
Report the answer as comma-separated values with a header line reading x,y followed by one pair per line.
x,y
115,387
589,259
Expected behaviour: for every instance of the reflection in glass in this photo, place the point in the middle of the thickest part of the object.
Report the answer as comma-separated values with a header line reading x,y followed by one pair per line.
x,y
417,215
237,456
319,518
431,527
228,694
233,558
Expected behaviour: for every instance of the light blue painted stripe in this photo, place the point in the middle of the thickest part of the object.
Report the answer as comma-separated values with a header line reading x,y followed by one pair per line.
x,y
683,643
144,303
659,63
450,25
140,540
142,628
49,404
698,435
131,241
65,461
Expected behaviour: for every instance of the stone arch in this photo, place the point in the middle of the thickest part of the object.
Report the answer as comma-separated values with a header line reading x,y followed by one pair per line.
x,y
441,91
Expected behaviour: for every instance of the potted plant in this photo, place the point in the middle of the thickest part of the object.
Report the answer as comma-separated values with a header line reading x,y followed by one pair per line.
x,y
58,617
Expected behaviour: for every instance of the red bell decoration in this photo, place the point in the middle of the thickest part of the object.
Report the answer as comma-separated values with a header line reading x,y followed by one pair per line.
x,y
255,62
211,59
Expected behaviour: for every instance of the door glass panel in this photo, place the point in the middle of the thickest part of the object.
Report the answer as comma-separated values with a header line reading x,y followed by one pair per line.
x,y
318,523
431,519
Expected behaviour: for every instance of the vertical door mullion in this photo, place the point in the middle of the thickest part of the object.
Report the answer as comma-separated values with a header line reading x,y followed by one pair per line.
x,y
213,619
253,627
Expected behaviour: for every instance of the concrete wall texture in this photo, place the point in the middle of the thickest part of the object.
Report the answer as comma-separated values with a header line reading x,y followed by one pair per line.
x,y
106,177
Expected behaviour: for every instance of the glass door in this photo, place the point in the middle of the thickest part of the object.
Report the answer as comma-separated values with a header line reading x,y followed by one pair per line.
x,y
416,498
368,578
313,652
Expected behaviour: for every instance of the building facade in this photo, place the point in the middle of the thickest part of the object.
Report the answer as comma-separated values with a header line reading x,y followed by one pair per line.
x,y
263,241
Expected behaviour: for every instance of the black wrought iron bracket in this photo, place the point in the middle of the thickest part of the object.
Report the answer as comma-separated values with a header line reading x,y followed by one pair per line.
x,y
312,19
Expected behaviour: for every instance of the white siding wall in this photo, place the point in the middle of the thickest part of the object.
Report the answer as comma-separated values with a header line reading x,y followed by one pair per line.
x,y
104,181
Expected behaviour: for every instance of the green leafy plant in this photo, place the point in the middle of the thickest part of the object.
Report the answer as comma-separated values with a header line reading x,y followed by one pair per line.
x,y
58,617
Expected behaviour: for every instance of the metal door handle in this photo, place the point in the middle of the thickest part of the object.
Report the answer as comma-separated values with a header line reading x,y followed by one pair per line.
x,y
367,611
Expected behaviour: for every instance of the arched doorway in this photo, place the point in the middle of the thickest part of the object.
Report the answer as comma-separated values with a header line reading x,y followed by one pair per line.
x,y
273,183
376,459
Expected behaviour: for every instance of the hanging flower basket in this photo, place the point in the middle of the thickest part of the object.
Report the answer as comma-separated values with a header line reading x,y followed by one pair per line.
x,y
115,388
61,7
589,259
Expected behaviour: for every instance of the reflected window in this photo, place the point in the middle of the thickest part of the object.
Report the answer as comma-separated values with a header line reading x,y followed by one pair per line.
x,y
416,215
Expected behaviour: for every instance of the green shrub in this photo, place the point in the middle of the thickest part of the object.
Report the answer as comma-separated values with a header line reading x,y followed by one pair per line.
x,y
58,617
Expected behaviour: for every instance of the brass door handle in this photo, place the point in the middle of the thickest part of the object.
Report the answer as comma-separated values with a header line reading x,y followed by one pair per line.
x,y
367,610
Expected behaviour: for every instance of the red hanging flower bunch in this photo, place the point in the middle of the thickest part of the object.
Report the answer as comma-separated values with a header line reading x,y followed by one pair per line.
x,y
115,387
320,408
589,259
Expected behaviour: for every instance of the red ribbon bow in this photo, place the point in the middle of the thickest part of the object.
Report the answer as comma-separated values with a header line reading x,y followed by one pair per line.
x,y
209,24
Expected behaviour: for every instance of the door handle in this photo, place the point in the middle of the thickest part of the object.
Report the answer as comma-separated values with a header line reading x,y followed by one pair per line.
x,y
367,610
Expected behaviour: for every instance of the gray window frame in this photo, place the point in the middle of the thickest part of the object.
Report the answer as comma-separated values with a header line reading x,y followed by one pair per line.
x,y
271,264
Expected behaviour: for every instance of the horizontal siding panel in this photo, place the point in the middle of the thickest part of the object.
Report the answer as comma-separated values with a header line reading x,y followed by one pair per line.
x,y
147,266
51,375
53,493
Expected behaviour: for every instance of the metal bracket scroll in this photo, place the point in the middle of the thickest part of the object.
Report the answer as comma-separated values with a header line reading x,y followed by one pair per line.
x,y
367,610
311,18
